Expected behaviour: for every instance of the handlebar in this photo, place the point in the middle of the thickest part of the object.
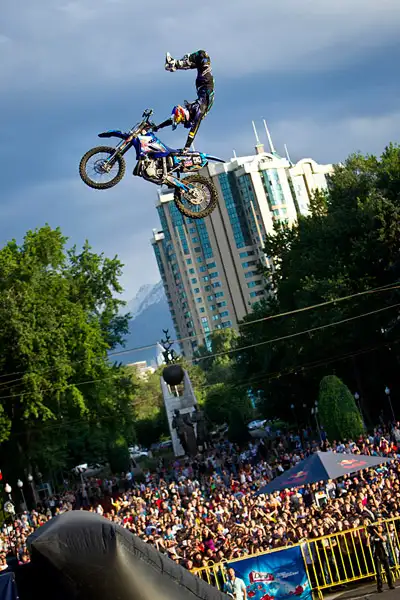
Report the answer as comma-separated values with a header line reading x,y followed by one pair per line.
x,y
145,121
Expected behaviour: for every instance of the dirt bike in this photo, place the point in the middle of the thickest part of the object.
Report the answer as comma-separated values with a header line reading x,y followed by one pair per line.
x,y
195,196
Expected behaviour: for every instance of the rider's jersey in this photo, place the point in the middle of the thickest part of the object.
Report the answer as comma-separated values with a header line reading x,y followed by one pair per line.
x,y
201,61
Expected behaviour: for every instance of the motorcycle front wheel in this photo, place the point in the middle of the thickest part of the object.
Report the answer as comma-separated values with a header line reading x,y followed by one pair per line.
x,y
200,200
94,165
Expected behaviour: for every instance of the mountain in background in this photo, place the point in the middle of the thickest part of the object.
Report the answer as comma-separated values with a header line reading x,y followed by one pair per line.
x,y
150,315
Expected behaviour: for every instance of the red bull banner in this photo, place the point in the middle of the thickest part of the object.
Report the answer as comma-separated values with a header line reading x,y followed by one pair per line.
x,y
276,576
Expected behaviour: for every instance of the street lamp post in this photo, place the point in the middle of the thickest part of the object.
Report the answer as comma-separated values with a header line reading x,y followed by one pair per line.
x,y
314,411
8,490
9,508
358,403
32,484
21,486
387,392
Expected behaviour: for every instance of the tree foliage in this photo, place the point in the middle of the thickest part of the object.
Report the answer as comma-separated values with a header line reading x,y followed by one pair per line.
x,y
61,399
337,410
224,400
349,244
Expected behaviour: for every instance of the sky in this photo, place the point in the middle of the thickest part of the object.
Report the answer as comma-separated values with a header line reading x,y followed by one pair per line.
x,y
323,74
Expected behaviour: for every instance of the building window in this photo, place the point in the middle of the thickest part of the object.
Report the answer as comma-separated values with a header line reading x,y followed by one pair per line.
x,y
215,317
205,278
226,324
195,240
204,320
199,300
214,275
202,309
255,294
211,265
224,314
219,294
192,230
192,271
188,261
247,253
220,304
194,280
251,274
251,263
254,283
207,288
210,298
212,307
216,284
197,249
196,290
199,259
202,269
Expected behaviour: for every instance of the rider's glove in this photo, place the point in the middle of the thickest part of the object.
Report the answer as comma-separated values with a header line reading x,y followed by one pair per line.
x,y
170,63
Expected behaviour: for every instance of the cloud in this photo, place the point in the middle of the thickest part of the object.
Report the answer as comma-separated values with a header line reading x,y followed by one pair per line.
x,y
320,72
73,45
332,141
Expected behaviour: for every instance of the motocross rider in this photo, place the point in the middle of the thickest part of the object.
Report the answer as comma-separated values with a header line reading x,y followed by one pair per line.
x,y
194,112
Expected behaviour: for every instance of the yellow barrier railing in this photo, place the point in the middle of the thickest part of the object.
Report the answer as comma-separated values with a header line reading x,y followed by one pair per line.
x,y
332,560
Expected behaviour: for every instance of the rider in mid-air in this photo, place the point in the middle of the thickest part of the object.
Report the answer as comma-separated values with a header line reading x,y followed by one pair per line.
x,y
194,112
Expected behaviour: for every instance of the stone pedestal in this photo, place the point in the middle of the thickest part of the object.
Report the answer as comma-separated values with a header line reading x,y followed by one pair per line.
x,y
184,403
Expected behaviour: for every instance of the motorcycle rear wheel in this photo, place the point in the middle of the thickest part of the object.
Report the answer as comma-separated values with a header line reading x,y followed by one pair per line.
x,y
201,187
119,161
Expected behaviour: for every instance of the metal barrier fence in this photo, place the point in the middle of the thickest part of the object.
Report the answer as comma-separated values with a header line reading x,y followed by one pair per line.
x,y
332,560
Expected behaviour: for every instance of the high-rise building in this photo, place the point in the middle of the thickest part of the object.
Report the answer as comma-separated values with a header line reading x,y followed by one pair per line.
x,y
210,267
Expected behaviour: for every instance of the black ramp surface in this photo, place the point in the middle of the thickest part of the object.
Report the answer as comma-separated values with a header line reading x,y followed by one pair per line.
x,y
322,466
80,555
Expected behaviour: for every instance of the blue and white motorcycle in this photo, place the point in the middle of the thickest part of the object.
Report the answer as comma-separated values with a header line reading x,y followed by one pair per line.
x,y
103,167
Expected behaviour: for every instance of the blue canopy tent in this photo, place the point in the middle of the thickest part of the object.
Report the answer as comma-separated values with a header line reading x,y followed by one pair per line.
x,y
321,466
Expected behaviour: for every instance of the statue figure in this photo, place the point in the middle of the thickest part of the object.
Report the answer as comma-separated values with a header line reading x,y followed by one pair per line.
x,y
179,425
198,417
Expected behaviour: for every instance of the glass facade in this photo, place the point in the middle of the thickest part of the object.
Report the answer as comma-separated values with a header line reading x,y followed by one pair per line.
x,y
178,222
234,207
247,193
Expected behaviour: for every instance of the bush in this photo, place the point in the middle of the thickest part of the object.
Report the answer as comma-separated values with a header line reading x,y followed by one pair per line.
x,y
338,411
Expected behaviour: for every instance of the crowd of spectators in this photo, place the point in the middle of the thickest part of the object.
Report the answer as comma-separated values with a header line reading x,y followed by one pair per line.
x,y
205,510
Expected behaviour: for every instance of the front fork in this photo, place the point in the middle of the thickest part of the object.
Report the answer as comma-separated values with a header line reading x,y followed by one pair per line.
x,y
176,183
120,149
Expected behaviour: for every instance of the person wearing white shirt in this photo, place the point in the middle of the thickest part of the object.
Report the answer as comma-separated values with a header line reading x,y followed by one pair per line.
x,y
235,587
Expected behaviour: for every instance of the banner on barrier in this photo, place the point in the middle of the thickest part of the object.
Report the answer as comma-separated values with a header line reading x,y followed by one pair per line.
x,y
276,576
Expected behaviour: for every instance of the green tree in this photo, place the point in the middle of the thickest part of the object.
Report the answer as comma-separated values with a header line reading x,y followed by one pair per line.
x,y
348,245
337,410
61,399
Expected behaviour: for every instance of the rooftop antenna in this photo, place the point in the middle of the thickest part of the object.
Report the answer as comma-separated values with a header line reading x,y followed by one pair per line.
x,y
259,145
271,145
287,154
234,153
